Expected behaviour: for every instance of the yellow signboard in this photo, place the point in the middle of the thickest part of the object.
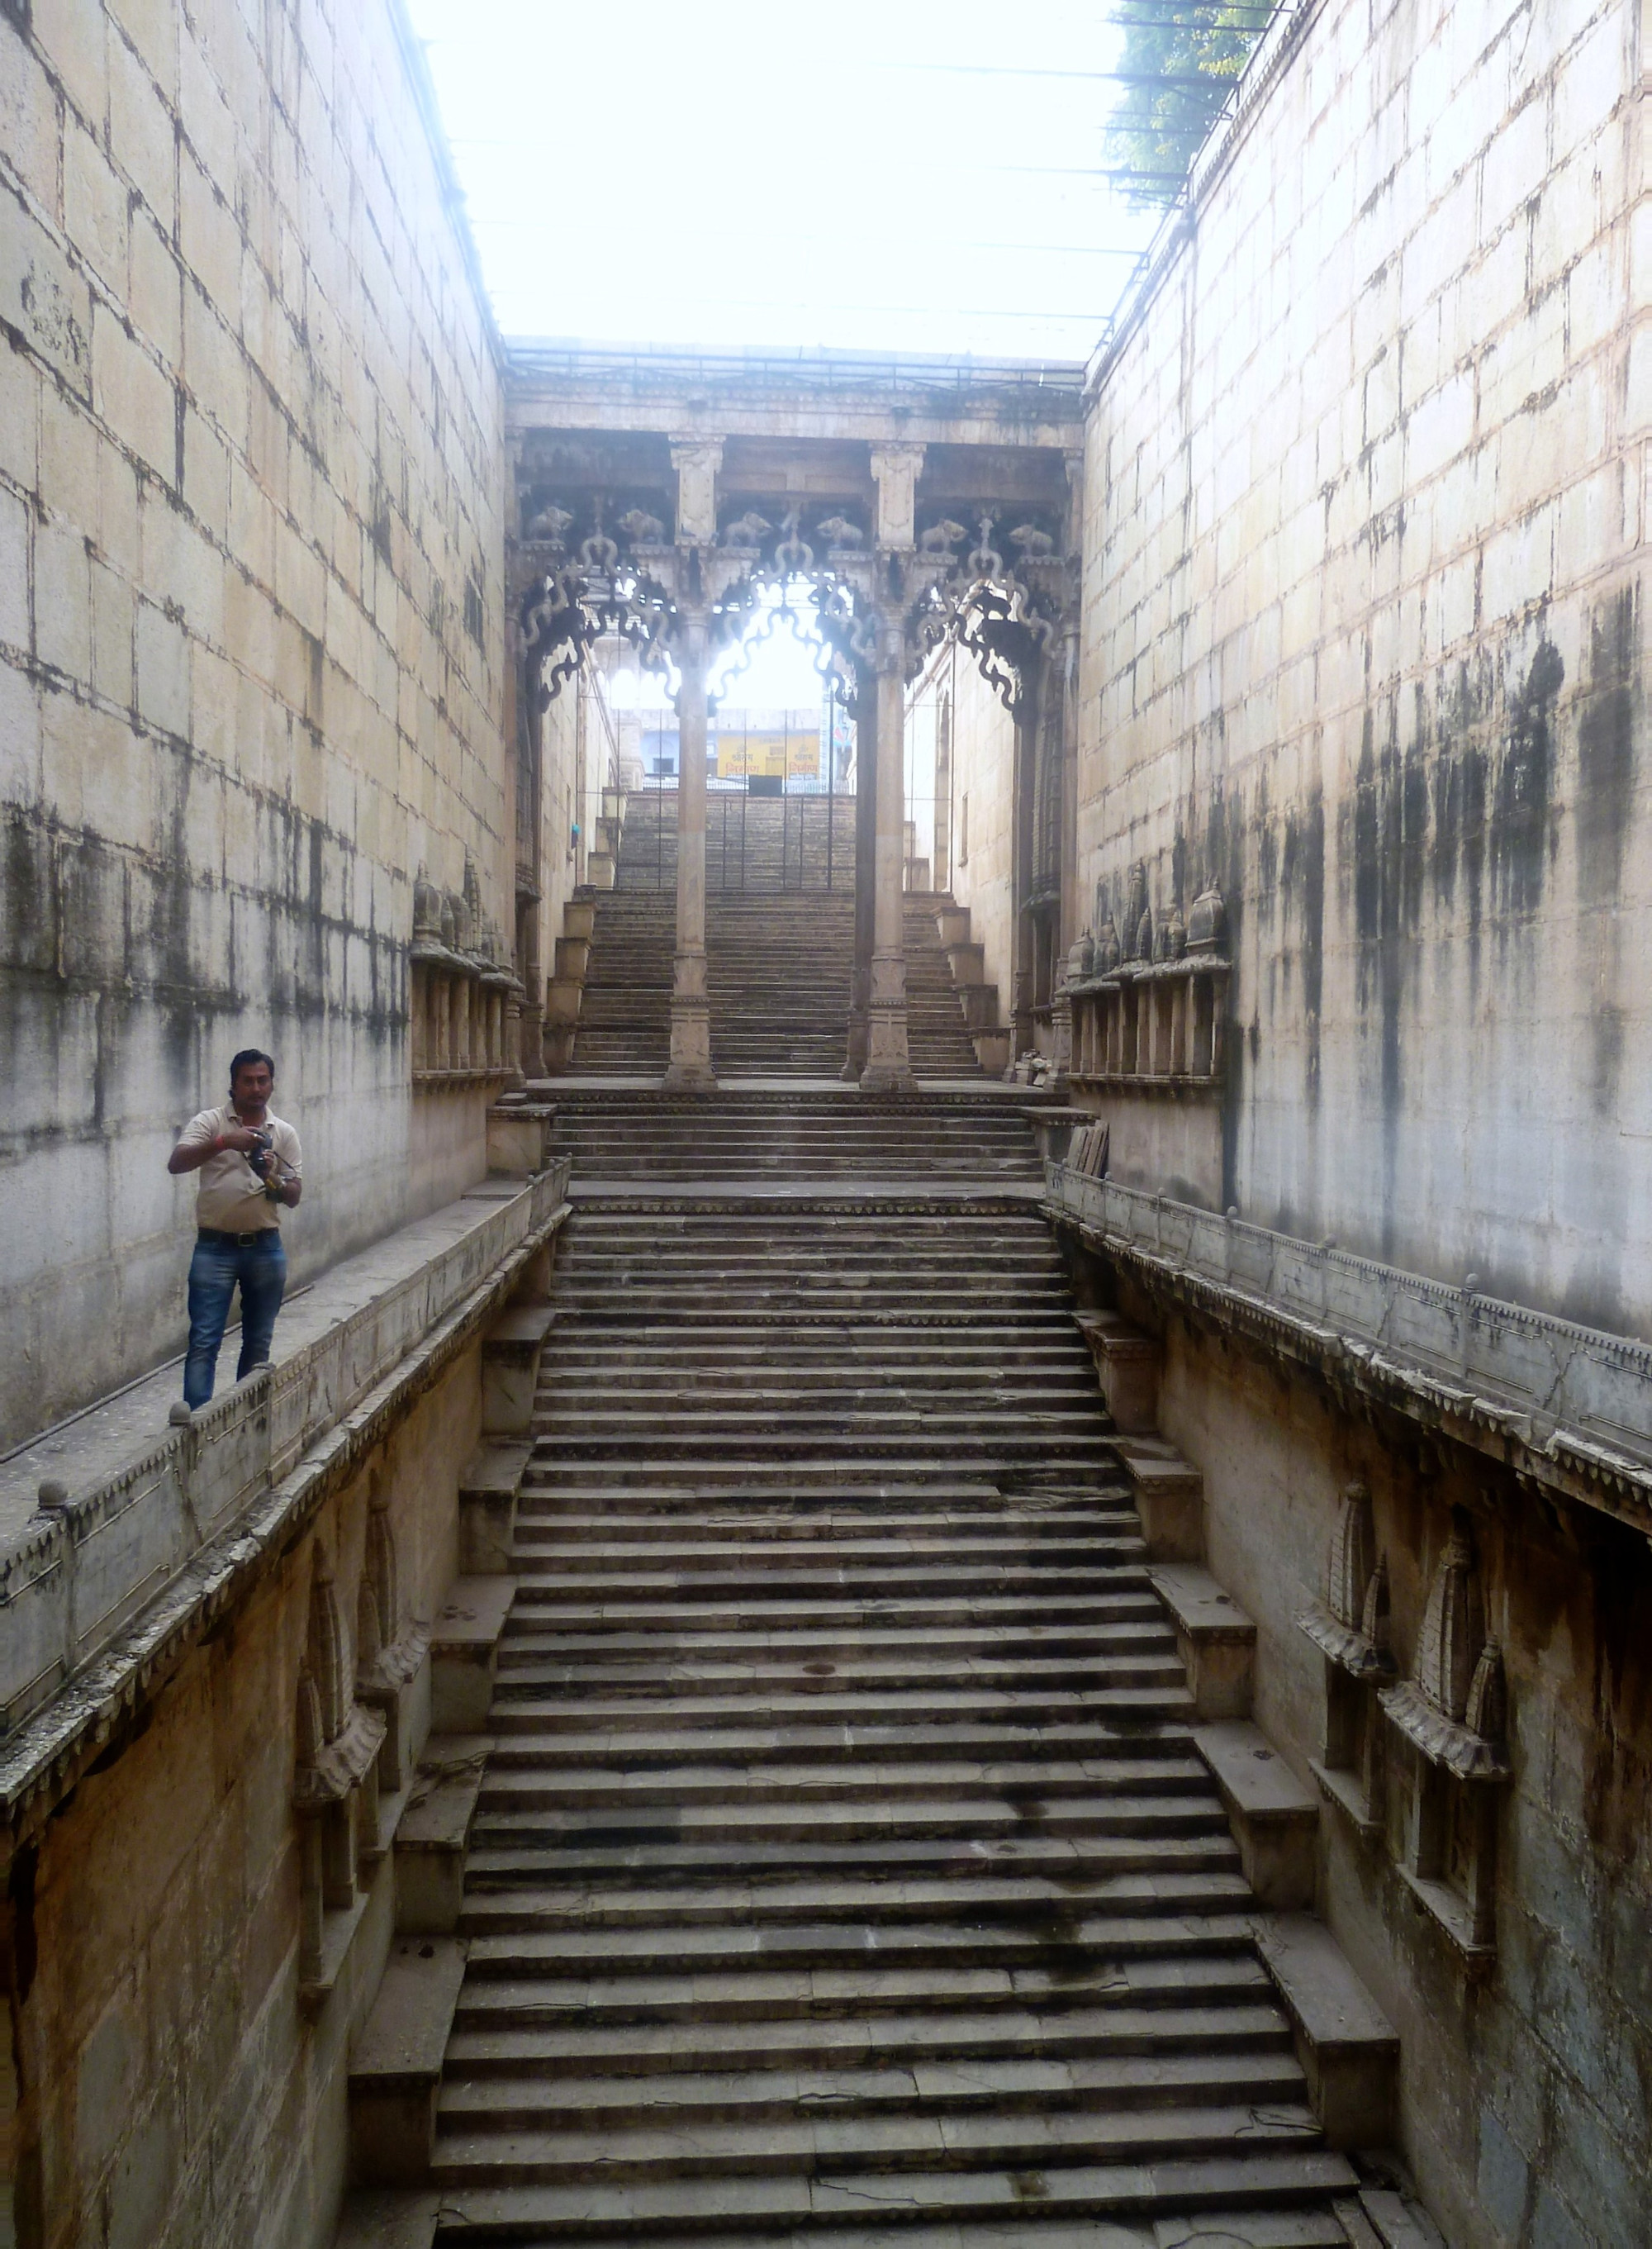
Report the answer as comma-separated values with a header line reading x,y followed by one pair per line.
x,y
769,755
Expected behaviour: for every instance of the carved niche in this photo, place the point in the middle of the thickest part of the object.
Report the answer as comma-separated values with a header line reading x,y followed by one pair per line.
x,y
1351,1631
1452,1722
389,1656
335,1785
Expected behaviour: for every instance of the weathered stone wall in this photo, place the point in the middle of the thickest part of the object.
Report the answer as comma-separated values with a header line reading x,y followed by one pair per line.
x,y
252,487
172,2089
1523,2105
1365,639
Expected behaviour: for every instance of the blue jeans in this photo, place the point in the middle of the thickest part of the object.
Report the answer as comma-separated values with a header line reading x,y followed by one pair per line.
x,y
261,1268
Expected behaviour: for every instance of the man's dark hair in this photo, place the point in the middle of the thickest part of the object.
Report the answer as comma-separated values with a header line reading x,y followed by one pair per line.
x,y
244,1060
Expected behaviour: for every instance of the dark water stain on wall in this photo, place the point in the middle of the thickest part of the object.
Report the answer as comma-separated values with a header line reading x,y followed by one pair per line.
x,y
1302,881
1520,829
1606,750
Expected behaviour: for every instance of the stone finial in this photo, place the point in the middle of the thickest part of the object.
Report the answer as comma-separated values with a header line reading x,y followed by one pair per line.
x,y
368,1637
312,1736
379,1566
446,925
1374,1617
1351,1559
1135,913
427,911
1487,1711
1143,949
1452,1635
1081,958
326,1656
1107,944
1208,921
1176,937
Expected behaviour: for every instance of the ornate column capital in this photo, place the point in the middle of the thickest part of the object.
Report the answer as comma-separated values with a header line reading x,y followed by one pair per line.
x,y
895,471
696,461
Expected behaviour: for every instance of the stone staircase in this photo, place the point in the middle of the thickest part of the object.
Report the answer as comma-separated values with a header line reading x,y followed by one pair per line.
x,y
753,844
935,1148
780,963
843,1864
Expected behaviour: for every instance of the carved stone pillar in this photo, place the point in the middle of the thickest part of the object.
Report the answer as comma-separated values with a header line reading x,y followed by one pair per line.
x,y
889,1066
690,1064
866,829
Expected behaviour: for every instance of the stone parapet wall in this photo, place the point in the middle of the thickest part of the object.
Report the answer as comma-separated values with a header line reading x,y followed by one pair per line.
x,y
251,638
1570,1407
154,1539
1365,642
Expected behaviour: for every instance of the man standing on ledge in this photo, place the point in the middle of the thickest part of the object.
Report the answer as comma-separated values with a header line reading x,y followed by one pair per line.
x,y
249,1163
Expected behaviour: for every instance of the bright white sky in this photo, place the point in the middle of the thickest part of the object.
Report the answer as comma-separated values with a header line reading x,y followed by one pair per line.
x,y
754,173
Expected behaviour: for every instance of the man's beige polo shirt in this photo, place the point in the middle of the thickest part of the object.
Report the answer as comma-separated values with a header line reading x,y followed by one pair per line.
x,y
230,1195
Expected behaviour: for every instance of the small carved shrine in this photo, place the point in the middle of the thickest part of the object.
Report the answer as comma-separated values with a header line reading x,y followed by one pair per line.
x,y
1453,1720
1351,1631
335,1789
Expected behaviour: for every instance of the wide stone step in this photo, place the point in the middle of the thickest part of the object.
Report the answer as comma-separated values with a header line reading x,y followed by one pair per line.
x,y
549,1491
1144,1966
511,1817
720,1474
1175,1918
1148,1667
929,2208
708,1582
1133,2079
944,1544
763,1998
920,1853
1013,2139
831,1525
519,1706
843,1749
691,1786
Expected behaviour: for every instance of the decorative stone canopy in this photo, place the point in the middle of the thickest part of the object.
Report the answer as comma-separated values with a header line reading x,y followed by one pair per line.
x,y
1454,1711
1352,1628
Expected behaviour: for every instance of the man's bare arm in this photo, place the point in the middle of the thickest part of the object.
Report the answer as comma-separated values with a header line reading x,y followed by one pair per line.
x,y
190,1155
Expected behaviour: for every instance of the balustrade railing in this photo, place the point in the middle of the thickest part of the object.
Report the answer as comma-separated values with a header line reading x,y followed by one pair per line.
x,y
1574,1392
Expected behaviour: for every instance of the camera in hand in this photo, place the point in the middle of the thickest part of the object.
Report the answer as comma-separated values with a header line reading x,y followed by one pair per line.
x,y
262,1160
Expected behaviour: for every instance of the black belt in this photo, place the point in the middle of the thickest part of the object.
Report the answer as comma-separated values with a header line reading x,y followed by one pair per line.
x,y
236,1240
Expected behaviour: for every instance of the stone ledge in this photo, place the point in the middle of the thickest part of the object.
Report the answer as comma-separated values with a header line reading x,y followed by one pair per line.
x,y
433,1833
1168,1492
464,1643
1128,1362
1349,2049
360,1376
1214,1637
489,1489
1275,1820
395,2069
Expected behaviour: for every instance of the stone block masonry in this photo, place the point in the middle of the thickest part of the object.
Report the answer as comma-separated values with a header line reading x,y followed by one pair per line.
x,y
1365,643
251,638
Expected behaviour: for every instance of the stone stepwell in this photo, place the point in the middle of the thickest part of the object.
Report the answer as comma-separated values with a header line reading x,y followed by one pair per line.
x,y
844,1866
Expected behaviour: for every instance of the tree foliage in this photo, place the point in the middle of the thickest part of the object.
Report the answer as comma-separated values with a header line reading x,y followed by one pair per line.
x,y
1190,55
